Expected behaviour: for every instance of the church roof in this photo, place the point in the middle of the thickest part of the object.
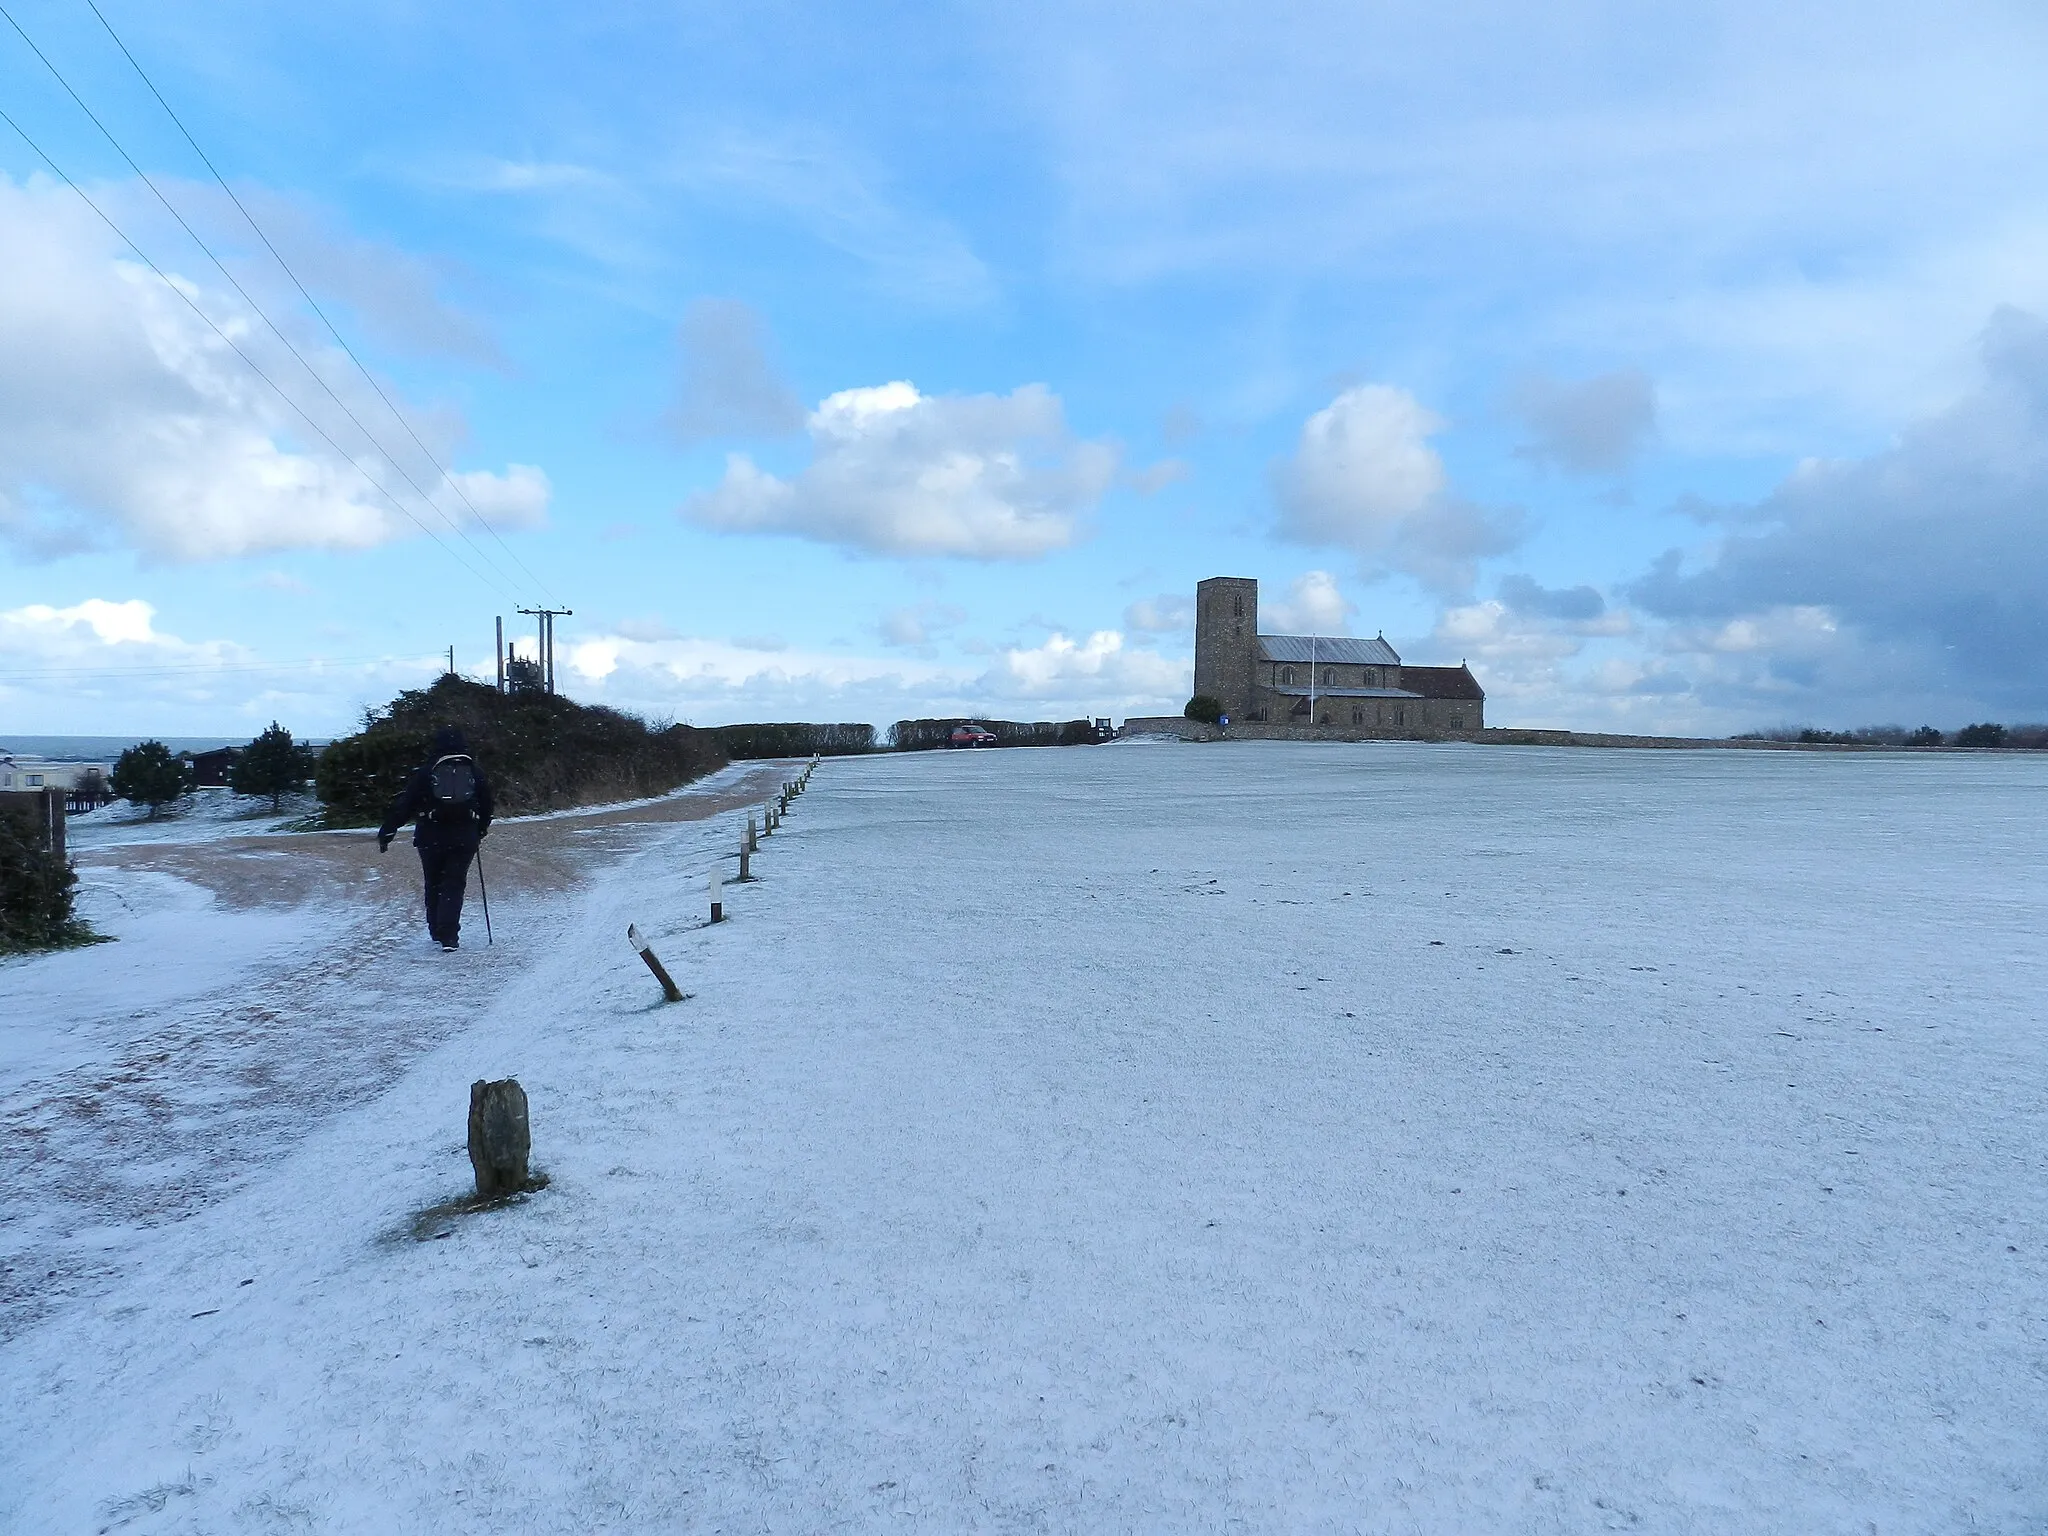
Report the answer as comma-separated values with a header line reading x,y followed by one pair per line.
x,y
1340,649
1443,682
1350,693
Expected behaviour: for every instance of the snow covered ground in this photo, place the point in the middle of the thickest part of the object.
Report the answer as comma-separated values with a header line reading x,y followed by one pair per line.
x,y
1250,1136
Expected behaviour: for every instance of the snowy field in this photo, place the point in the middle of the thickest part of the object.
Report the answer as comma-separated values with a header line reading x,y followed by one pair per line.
x,y
1148,1138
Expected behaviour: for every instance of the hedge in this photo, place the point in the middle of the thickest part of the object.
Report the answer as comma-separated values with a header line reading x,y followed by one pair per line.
x,y
539,751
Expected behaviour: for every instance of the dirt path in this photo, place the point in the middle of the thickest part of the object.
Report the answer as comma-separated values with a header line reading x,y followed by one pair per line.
x,y
176,1103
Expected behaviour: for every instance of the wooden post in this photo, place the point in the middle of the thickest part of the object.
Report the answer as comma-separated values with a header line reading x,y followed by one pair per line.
x,y
717,897
745,854
500,1141
53,823
668,987
753,841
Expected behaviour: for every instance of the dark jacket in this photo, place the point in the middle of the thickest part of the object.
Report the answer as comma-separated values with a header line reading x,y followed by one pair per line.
x,y
416,803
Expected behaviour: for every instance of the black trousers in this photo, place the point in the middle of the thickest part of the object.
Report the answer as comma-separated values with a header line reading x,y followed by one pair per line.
x,y
446,871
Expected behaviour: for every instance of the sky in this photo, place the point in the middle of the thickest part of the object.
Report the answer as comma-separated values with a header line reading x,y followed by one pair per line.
x,y
1679,369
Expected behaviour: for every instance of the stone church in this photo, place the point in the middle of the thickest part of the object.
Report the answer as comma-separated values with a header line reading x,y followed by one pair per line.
x,y
1320,683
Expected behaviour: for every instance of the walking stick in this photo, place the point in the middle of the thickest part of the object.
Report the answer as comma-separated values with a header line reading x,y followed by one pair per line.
x,y
485,891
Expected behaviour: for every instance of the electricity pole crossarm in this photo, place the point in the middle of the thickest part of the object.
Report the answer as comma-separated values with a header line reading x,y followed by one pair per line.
x,y
545,618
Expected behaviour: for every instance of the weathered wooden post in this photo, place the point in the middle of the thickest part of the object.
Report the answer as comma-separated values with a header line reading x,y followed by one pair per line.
x,y
745,854
753,842
717,897
500,1140
668,987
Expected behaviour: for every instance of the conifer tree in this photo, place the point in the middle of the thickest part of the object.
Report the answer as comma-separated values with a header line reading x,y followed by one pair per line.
x,y
147,774
273,764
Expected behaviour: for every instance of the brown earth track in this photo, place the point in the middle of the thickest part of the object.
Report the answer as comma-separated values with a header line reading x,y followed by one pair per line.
x,y
524,855
206,1090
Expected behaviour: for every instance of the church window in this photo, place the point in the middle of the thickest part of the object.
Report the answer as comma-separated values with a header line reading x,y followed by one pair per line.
x,y
1287,677
1357,714
1237,604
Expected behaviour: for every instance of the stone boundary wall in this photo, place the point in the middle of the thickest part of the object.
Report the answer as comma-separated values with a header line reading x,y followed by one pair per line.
x,y
1501,736
1170,725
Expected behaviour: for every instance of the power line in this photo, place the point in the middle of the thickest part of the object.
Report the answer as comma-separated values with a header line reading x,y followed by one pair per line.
x,y
313,304
247,297
314,664
254,367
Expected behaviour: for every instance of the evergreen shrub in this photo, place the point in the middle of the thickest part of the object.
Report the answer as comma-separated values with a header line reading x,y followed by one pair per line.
x,y
273,764
36,887
794,739
147,774
540,751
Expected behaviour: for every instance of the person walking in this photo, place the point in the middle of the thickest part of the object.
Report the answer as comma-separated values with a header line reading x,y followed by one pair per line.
x,y
449,802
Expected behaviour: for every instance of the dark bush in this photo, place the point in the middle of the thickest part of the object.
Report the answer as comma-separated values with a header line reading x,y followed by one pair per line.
x,y
1925,736
273,764
540,751
35,885
2035,736
147,774
794,740
1989,734
925,735
1203,708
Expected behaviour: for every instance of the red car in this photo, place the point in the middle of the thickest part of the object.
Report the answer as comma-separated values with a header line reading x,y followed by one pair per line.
x,y
971,736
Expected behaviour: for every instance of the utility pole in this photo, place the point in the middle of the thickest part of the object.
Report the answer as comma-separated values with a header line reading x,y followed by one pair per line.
x,y
501,653
545,620
451,661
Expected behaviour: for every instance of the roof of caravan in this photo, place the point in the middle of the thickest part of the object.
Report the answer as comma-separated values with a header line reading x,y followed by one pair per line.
x,y
1341,649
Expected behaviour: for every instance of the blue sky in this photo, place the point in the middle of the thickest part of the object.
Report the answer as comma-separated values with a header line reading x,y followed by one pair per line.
x,y
1680,368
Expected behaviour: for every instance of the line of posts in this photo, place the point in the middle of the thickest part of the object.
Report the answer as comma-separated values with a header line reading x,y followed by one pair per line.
x,y
772,816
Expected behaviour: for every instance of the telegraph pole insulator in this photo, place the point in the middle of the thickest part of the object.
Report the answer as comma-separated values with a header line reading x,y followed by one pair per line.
x,y
546,622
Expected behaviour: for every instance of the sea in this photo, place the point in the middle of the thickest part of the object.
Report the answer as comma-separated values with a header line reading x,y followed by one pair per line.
x,y
104,749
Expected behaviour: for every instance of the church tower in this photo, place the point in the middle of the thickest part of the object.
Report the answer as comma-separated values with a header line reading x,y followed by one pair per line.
x,y
1227,641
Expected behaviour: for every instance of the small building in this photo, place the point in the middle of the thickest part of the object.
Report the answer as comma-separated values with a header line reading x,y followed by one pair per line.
x,y
210,768
21,772
1337,685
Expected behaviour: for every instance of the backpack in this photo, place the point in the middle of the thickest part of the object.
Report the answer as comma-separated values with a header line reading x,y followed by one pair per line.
x,y
452,781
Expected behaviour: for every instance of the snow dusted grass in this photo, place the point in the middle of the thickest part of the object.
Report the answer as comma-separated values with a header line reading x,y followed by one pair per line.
x,y
1251,1136
202,815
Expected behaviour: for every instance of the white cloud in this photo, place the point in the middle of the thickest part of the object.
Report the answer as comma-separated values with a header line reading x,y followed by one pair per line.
x,y
125,419
1314,605
1168,613
1896,588
920,624
727,385
103,665
1364,477
1156,477
912,254
514,500
894,472
1097,673
524,176
1906,581
41,627
1587,426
